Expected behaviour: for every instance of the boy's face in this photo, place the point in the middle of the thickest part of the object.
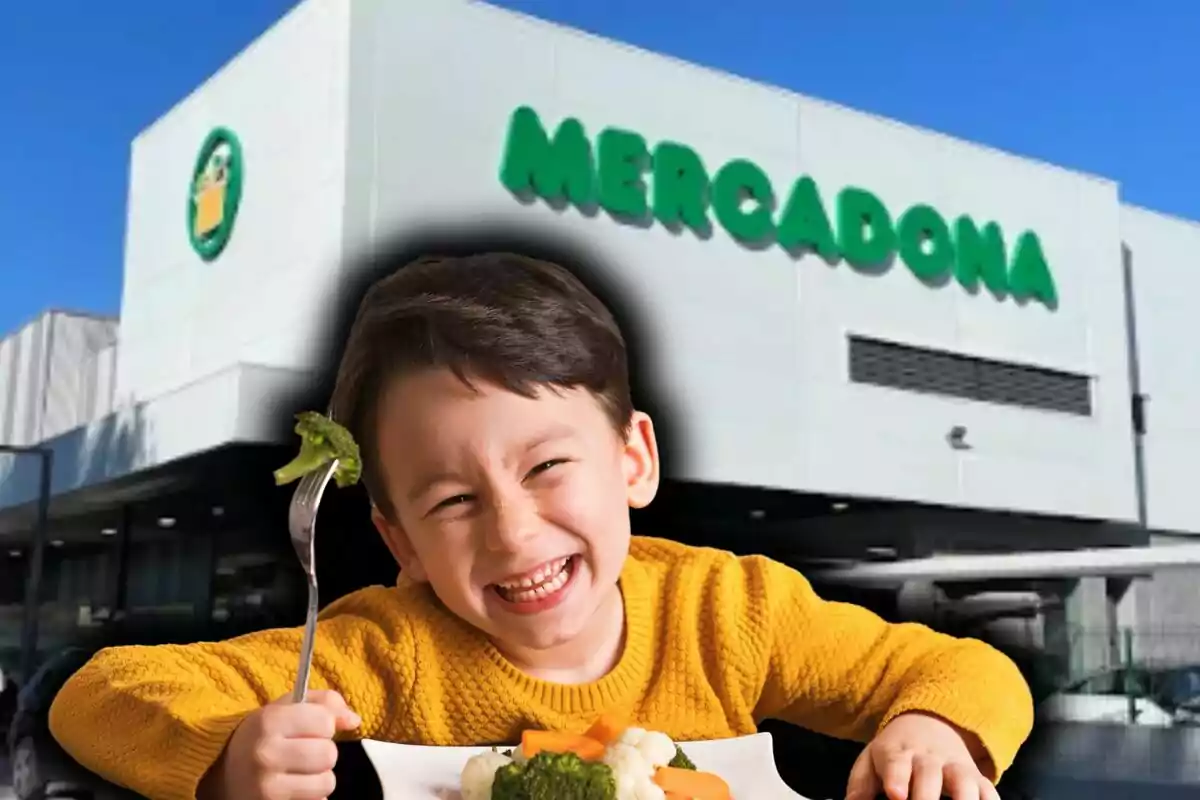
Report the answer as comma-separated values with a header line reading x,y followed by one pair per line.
x,y
515,510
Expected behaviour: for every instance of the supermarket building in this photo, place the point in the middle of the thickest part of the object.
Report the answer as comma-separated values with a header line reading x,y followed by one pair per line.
x,y
892,341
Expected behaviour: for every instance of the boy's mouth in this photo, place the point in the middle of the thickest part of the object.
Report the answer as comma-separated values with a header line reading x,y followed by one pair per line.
x,y
540,588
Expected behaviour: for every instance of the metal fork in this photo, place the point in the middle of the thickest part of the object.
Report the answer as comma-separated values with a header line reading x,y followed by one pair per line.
x,y
302,524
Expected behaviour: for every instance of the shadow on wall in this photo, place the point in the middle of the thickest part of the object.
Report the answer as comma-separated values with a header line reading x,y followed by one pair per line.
x,y
391,254
104,450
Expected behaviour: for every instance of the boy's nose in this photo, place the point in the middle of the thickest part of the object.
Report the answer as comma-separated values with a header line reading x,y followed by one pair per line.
x,y
512,524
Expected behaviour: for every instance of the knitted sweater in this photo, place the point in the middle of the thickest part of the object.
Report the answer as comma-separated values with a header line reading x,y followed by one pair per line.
x,y
714,644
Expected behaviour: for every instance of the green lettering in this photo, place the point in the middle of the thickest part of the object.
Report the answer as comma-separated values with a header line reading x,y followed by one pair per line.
x,y
623,157
980,256
1029,277
925,244
865,234
553,169
804,224
734,184
680,187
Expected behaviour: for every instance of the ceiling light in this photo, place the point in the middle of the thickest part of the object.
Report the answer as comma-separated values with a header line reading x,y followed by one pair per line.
x,y
840,506
218,511
15,553
108,531
57,543
166,522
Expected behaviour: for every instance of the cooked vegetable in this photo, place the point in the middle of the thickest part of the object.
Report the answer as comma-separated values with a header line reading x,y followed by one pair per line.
x,y
633,774
607,729
554,776
534,742
322,440
609,762
480,773
656,748
681,760
691,783
509,783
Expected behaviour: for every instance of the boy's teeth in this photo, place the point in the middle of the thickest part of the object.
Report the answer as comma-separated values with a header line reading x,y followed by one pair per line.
x,y
545,581
544,573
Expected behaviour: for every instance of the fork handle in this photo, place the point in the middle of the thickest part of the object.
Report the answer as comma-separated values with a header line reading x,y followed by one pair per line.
x,y
300,692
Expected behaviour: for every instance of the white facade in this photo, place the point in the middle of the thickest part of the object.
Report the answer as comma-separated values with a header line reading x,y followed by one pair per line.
x,y
184,320
55,375
366,119
1161,251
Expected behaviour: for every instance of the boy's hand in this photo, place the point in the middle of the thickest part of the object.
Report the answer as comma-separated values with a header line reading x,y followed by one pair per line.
x,y
920,757
283,751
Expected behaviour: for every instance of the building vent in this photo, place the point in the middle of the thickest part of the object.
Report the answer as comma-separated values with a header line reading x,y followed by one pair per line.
x,y
917,369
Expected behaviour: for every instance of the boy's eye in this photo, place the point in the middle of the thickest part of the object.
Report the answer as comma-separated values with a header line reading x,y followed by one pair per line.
x,y
451,501
544,466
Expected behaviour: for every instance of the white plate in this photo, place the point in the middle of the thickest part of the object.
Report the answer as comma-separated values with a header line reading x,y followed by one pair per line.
x,y
408,772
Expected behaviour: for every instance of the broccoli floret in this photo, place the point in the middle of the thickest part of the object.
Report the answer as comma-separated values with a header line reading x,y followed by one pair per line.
x,y
681,761
321,441
555,776
509,783
566,776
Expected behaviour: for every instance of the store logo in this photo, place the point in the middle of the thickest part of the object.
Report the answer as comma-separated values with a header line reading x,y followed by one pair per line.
x,y
216,192
669,184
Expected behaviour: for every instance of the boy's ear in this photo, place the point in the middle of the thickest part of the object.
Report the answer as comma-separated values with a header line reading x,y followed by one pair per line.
x,y
399,544
641,461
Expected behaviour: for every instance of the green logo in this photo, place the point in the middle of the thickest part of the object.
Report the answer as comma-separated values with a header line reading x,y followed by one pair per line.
x,y
215,192
640,182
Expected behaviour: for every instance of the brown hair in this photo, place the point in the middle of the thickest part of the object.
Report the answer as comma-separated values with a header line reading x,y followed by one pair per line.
x,y
503,318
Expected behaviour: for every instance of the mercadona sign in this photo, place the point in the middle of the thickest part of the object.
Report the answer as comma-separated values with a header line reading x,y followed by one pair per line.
x,y
611,173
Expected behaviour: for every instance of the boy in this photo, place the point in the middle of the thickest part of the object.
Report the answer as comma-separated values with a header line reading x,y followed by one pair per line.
x,y
502,452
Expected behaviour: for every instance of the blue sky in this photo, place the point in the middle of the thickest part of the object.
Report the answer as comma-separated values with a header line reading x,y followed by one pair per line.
x,y
1106,87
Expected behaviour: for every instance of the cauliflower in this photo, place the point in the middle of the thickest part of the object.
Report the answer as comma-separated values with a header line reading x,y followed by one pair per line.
x,y
633,773
656,748
478,774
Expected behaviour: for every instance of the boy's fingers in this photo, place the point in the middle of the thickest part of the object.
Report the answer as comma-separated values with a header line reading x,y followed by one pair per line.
x,y
345,717
927,776
301,787
961,782
301,720
895,771
863,783
297,756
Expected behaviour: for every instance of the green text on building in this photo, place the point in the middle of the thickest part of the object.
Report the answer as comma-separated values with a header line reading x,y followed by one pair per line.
x,y
612,172
215,193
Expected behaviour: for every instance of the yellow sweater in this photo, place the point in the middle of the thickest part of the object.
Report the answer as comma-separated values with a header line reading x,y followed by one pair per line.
x,y
715,643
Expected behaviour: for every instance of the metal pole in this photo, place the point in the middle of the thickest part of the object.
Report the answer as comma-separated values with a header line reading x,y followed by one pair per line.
x,y
33,584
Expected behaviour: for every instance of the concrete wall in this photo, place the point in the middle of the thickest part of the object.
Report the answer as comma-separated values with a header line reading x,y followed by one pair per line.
x,y
48,375
750,345
1162,252
183,317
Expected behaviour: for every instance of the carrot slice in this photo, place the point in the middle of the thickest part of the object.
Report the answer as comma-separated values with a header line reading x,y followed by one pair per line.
x,y
607,729
690,783
534,742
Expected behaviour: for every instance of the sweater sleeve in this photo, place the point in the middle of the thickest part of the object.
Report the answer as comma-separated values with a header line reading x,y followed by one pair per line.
x,y
841,670
154,719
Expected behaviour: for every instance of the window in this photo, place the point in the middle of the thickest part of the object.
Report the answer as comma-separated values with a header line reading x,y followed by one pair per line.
x,y
916,369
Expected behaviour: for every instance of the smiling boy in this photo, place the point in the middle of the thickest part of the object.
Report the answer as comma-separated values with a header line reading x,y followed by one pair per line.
x,y
502,453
